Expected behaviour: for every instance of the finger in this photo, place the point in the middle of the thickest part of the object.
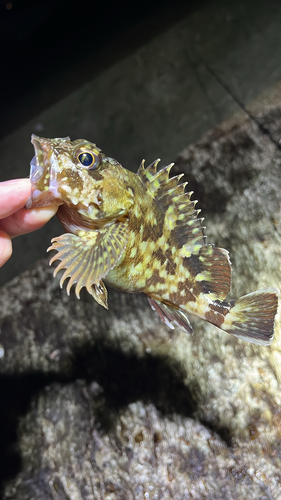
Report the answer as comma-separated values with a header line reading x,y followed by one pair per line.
x,y
13,196
24,221
5,248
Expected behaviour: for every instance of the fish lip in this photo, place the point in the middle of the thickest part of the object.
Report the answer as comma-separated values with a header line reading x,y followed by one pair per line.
x,y
36,164
40,165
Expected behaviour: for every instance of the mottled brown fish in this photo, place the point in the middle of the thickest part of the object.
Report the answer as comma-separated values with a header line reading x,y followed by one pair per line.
x,y
140,233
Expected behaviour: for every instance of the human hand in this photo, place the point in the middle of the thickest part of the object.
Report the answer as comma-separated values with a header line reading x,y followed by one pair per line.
x,y
15,219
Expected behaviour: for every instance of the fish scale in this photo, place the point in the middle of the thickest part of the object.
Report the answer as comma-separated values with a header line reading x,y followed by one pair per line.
x,y
140,233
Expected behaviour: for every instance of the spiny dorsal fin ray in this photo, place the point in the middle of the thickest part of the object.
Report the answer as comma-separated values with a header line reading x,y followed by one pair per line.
x,y
159,178
166,195
88,258
212,270
148,173
170,184
180,214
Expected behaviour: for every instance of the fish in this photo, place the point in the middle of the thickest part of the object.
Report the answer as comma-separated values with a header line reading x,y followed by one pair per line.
x,y
140,233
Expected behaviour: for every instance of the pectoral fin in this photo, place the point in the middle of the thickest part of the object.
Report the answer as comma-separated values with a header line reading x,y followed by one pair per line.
x,y
88,258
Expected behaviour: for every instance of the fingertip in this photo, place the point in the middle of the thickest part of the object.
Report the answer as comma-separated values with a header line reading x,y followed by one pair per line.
x,y
13,195
39,216
5,248
30,220
25,221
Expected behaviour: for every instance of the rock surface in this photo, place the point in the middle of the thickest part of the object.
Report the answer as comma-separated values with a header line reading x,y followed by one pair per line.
x,y
110,404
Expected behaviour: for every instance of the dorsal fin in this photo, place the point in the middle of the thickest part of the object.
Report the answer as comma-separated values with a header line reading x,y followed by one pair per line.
x,y
213,271
181,217
211,266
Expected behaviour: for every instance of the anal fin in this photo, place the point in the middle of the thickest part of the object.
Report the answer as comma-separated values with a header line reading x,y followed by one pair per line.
x,y
170,315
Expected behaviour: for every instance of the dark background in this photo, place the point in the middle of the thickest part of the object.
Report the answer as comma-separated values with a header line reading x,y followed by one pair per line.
x,y
51,47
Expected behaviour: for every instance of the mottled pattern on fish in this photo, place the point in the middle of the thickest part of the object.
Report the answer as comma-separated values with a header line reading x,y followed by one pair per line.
x,y
140,233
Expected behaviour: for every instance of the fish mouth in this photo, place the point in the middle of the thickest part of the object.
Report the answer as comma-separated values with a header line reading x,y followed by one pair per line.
x,y
43,175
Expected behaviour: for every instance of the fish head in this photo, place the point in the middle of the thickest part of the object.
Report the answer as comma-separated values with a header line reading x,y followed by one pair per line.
x,y
77,175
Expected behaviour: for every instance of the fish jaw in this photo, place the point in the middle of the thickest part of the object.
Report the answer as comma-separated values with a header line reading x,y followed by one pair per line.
x,y
44,170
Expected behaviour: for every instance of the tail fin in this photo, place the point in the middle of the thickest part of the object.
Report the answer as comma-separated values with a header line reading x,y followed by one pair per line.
x,y
252,317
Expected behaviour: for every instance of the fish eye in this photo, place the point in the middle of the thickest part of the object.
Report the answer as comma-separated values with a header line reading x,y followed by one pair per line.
x,y
88,160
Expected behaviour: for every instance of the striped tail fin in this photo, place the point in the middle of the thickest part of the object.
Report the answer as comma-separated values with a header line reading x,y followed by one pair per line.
x,y
252,316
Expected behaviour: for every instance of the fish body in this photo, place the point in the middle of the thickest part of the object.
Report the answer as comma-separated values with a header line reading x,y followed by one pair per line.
x,y
140,233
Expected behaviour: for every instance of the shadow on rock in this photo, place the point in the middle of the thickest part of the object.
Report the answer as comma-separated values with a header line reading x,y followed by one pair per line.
x,y
16,393
121,379
125,379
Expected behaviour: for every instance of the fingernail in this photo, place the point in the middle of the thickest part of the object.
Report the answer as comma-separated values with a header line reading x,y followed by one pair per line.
x,y
42,214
